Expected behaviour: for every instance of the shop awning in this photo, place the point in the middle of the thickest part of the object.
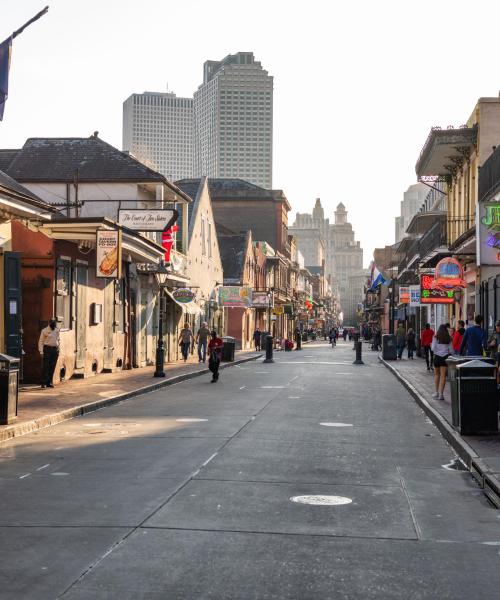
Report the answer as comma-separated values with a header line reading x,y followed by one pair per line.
x,y
188,308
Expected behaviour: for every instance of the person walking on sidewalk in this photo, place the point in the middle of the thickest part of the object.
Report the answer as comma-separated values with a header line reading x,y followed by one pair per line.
x,y
400,340
474,340
215,354
257,338
185,339
48,346
202,341
426,343
442,348
458,337
410,342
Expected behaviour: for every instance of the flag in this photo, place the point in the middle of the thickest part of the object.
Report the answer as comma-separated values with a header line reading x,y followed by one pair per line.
x,y
5,51
377,279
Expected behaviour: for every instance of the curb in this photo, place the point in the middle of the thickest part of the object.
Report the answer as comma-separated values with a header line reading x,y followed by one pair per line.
x,y
12,431
481,472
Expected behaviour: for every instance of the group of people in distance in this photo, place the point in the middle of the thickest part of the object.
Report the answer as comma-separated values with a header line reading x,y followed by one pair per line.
x,y
214,346
437,346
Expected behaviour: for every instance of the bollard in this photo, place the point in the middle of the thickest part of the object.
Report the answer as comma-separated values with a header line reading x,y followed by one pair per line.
x,y
298,340
358,346
269,349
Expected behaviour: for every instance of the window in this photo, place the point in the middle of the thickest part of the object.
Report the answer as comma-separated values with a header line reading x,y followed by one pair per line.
x,y
203,241
63,292
119,305
210,240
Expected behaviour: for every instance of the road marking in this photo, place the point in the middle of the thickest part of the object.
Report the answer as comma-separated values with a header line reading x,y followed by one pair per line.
x,y
23,476
294,397
191,420
262,372
59,473
243,387
44,467
207,461
320,500
316,362
293,379
342,373
272,387
328,424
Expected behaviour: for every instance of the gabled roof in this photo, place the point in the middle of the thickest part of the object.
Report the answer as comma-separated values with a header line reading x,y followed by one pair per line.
x,y
191,187
6,158
232,250
12,188
236,189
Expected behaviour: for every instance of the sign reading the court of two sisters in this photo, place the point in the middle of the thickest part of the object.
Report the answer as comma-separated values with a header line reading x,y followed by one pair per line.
x,y
147,219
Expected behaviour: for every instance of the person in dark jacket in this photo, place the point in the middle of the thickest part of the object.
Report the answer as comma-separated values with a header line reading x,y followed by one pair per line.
x,y
474,340
410,342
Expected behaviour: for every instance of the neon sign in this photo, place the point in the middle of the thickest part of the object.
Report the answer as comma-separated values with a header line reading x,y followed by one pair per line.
x,y
433,295
492,217
448,275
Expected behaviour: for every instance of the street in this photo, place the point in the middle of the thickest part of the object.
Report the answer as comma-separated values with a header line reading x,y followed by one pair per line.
x,y
307,478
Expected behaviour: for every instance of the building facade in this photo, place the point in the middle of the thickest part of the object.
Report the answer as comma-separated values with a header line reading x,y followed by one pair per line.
x,y
158,129
411,203
233,120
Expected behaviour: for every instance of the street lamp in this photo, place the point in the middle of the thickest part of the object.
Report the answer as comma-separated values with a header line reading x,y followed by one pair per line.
x,y
161,277
391,310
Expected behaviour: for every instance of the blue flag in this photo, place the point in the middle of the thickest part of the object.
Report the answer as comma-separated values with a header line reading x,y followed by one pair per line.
x,y
5,50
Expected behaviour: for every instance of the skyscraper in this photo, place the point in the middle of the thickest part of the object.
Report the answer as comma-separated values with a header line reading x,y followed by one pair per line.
x,y
158,130
233,120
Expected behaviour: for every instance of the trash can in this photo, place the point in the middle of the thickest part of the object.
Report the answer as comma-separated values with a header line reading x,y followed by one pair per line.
x,y
9,384
228,349
452,363
389,347
476,403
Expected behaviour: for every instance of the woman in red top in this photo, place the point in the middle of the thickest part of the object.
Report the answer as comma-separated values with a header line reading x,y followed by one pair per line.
x,y
426,342
458,336
215,346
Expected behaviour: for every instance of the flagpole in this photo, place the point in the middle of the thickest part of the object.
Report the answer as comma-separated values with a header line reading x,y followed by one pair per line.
x,y
32,20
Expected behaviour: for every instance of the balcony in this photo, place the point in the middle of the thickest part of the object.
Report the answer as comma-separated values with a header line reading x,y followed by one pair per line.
x,y
445,150
434,244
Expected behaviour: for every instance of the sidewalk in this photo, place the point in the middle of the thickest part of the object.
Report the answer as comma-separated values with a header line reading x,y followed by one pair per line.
x,y
480,453
39,408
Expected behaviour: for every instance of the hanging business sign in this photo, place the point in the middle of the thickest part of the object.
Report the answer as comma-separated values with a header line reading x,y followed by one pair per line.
x,y
108,253
235,296
260,300
183,295
404,294
279,310
414,295
449,275
489,233
433,295
147,219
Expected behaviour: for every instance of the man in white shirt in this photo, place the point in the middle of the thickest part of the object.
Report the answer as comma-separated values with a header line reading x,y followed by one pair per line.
x,y
48,346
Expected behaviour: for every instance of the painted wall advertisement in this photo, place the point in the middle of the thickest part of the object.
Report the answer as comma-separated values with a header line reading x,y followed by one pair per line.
x,y
235,296
108,253
260,300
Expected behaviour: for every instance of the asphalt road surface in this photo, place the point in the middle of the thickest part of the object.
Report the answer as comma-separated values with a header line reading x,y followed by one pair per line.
x,y
309,478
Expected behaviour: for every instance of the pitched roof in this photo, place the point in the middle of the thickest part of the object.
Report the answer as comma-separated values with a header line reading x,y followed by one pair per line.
x,y
6,158
222,230
12,188
232,253
57,159
191,187
234,189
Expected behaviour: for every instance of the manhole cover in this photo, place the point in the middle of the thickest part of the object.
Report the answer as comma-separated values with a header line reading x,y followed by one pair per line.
x,y
329,424
321,500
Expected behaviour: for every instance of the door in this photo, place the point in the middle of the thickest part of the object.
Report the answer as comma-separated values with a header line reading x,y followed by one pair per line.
x,y
81,313
12,298
109,323
143,320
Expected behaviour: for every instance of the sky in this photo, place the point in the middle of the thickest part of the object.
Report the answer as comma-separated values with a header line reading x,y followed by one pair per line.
x,y
357,84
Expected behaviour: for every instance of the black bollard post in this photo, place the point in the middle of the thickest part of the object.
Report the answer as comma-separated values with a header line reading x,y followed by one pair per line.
x,y
359,346
298,340
269,349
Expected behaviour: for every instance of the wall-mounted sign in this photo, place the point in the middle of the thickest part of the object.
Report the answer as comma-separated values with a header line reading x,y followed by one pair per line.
x,y
183,295
433,295
235,296
260,299
108,253
279,310
488,243
404,294
415,295
147,219
448,275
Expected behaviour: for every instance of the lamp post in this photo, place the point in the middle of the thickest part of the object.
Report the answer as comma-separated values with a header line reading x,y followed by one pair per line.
x,y
161,277
391,309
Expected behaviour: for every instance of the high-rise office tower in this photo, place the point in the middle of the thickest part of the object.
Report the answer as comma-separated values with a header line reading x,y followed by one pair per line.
x,y
158,130
233,118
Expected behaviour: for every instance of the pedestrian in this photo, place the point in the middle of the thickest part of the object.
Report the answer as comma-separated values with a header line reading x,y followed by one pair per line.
x,y
458,337
442,348
410,342
48,346
257,338
494,341
474,340
426,343
344,334
400,340
215,354
202,341
185,339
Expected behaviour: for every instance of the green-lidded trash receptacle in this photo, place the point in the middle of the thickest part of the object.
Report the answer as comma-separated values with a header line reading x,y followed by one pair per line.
x,y
9,384
476,402
228,348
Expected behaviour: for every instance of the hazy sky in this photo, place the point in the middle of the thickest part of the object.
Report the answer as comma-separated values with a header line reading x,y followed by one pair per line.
x,y
357,85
